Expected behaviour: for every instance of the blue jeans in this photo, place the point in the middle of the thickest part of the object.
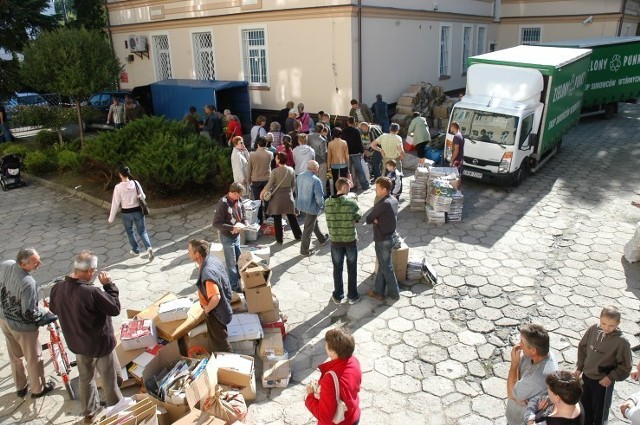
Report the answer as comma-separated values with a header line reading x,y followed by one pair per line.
x,y
386,277
6,133
356,166
137,218
337,257
231,249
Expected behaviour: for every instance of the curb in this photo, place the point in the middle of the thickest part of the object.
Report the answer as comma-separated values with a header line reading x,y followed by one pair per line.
x,y
99,202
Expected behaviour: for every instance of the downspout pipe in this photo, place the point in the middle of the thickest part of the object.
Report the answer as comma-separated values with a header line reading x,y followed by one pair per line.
x,y
623,8
359,50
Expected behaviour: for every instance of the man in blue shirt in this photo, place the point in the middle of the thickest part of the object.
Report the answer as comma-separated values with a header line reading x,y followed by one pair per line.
x,y
310,200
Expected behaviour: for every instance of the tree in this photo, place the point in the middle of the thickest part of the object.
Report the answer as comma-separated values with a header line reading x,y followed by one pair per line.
x,y
20,21
72,62
89,14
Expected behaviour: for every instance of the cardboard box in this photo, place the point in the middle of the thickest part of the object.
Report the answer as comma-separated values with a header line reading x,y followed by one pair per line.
x,y
246,347
198,417
198,337
177,309
172,331
166,358
249,392
204,385
216,250
143,409
238,303
257,252
244,326
259,299
141,334
280,325
254,274
271,344
276,374
399,259
236,370
273,315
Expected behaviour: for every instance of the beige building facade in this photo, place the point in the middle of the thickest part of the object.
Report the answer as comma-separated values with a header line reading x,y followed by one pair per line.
x,y
326,52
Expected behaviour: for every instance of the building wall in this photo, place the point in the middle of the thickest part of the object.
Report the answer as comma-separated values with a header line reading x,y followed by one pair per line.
x,y
537,8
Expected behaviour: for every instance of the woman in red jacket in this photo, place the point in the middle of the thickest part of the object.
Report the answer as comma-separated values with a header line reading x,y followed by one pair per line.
x,y
233,127
322,402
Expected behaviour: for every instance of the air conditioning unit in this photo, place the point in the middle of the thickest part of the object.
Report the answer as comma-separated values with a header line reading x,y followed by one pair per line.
x,y
137,43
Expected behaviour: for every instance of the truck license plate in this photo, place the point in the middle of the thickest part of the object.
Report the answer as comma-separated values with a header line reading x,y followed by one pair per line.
x,y
473,174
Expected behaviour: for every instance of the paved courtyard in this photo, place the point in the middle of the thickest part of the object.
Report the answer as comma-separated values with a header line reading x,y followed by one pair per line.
x,y
549,251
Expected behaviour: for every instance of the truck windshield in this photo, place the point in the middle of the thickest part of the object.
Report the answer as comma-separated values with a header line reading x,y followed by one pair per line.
x,y
486,126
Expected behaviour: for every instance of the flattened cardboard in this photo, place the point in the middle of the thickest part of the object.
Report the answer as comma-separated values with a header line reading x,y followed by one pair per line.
x,y
259,299
172,331
204,384
271,344
143,409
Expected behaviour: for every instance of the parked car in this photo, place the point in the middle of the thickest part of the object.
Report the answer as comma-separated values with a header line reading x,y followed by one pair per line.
x,y
23,99
101,102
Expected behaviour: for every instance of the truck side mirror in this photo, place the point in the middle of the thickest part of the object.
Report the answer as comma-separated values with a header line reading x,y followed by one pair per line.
x,y
532,140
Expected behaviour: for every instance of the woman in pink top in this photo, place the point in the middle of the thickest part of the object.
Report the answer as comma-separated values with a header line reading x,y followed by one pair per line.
x,y
126,197
286,148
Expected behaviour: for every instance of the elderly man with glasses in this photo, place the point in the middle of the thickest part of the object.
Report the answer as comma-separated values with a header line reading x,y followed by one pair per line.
x,y
19,313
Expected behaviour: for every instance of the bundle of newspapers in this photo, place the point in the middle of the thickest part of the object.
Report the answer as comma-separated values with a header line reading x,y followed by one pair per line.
x,y
170,386
442,195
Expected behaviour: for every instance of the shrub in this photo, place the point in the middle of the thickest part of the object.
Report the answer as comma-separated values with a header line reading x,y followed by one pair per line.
x,y
46,138
10,148
163,153
39,162
68,160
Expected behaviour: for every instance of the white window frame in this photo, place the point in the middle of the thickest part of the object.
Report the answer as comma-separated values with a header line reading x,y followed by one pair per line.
x,y
155,54
444,69
529,27
481,44
469,49
193,50
245,59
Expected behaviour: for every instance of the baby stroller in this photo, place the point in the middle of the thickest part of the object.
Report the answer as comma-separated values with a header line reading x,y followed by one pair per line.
x,y
10,172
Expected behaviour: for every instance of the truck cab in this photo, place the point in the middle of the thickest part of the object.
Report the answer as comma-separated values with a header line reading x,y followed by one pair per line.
x,y
518,104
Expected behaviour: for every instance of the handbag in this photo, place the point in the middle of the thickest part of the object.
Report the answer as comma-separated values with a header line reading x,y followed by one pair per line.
x,y
341,408
409,140
268,194
143,202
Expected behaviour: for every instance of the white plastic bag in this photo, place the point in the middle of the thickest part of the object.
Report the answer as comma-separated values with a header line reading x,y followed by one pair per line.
x,y
632,248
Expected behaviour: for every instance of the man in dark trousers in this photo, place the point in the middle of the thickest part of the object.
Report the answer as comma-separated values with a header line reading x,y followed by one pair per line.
x,y
214,293
384,217
85,313
352,136
212,126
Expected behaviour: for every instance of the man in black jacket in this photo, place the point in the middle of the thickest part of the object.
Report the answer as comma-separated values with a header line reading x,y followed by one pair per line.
x,y
85,313
352,136
384,217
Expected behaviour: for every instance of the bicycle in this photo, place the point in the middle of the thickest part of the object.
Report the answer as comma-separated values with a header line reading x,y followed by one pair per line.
x,y
56,347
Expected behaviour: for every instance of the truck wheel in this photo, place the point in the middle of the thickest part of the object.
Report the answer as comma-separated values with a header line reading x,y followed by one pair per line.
x,y
521,174
610,110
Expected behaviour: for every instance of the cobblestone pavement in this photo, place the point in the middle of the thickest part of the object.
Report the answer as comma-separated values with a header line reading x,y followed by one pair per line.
x,y
549,251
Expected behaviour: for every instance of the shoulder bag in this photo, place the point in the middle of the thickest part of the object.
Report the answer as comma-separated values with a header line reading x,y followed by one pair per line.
x,y
143,202
341,408
267,196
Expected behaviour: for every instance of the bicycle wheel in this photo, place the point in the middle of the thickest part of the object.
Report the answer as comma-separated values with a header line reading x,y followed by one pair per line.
x,y
72,395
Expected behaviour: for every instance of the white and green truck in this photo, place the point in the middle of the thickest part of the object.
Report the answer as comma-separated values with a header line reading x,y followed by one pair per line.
x,y
519,102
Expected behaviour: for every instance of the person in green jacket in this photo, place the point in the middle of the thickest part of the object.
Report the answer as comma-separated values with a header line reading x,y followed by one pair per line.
x,y
419,129
342,214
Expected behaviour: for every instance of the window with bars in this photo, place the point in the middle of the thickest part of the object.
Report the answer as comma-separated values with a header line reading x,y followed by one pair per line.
x,y
162,57
445,50
254,52
466,47
481,41
530,35
203,55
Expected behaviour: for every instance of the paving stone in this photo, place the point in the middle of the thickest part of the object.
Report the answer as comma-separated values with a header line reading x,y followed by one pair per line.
x,y
462,353
471,338
488,407
400,324
428,326
451,369
437,385
389,366
496,387
481,325
432,354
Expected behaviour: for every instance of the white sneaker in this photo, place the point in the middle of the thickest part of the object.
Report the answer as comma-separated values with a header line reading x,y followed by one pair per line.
x,y
133,253
151,256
